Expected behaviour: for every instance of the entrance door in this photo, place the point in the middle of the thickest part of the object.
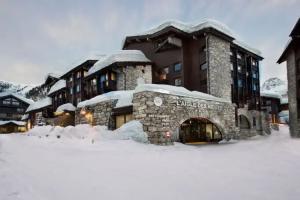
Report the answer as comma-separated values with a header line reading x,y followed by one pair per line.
x,y
199,130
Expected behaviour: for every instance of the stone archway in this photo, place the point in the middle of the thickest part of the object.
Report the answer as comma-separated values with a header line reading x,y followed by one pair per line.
x,y
194,130
244,122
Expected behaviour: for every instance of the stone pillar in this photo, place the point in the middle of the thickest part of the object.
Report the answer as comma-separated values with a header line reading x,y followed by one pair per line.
x,y
219,72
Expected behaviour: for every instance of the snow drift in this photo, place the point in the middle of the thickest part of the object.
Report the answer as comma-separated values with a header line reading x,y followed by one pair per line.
x,y
132,130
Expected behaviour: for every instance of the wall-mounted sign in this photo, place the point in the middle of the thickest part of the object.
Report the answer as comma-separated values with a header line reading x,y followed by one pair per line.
x,y
197,104
158,101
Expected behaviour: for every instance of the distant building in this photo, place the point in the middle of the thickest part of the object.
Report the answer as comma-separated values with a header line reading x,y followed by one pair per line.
x,y
12,108
271,103
291,55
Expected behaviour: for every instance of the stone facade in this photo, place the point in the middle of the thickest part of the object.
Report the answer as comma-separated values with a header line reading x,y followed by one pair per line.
x,y
130,76
258,122
292,93
219,72
174,110
98,114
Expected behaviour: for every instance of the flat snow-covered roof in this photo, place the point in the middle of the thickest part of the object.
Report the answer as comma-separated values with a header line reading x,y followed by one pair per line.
x,y
19,123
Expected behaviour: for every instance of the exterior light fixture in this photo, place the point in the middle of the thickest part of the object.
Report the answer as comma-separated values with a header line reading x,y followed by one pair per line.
x,y
83,111
168,134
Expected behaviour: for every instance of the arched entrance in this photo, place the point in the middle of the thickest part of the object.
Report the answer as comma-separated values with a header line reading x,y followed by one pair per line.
x,y
244,123
199,130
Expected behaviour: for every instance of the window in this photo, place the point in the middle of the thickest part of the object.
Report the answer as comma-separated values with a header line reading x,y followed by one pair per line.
x,y
204,66
239,68
85,73
78,74
7,101
177,82
239,56
113,76
177,67
78,88
71,91
94,82
122,119
254,62
254,87
70,79
240,83
231,67
78,100
20,110
15,102
60,96
166,70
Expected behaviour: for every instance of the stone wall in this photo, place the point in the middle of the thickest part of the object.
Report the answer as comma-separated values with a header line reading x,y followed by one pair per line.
x,y
174,110
292,93
261,125
128,77
98,114
219,82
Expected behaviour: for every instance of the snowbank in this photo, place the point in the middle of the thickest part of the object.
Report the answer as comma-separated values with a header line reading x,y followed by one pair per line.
x,y
39,104
132,130
57,86
120,56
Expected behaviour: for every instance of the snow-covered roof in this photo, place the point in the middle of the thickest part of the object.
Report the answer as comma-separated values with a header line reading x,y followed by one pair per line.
x,y
54,75
39,104
120,56
284,101
28,101
247,47
66,107
25,116
124,98
270,94
19,123
208,23
57,86
179,91
91,56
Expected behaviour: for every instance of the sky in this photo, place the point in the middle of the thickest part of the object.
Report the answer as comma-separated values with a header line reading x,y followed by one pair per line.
x,y
38,37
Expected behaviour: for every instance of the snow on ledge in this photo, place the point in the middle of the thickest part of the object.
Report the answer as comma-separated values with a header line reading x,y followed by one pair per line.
x,y
57,86
120,56
19,123
178,91
124,98
270,94
39,104
66,107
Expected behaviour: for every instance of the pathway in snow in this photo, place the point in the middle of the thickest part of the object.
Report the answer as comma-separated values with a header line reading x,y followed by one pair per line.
x,y
35,168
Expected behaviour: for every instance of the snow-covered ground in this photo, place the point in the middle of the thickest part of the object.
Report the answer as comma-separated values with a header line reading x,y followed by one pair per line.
x,y
49,168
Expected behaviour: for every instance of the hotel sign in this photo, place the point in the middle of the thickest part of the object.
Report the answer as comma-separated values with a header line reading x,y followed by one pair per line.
x,y
197,104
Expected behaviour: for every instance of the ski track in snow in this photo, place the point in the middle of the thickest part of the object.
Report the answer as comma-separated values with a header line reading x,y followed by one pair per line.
x,y
33,168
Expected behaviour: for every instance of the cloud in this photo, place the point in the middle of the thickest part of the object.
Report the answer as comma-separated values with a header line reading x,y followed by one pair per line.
x,y
73,30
